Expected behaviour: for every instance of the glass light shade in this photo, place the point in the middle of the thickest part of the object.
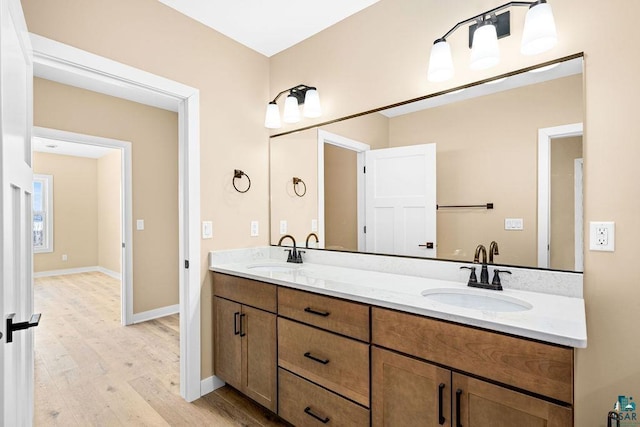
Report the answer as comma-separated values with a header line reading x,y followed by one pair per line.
x,y
291,110
440,62
312,104
485,52
539,34
272,118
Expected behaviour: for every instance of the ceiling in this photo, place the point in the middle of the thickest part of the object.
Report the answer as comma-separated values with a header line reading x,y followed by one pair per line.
x,y
66,148
268,26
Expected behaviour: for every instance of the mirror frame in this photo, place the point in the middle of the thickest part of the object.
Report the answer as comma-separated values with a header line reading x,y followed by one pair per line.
x,y
422,98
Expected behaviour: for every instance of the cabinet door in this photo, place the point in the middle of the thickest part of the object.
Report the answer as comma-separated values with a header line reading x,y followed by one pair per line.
x,y
409,392
478,403
259,372
227,344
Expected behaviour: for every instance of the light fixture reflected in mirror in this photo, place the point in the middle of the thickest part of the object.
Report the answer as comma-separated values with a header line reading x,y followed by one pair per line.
x,y
539,35
300,94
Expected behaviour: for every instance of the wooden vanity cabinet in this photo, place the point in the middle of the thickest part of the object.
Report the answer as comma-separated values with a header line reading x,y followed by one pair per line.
x,y
245,346
410,391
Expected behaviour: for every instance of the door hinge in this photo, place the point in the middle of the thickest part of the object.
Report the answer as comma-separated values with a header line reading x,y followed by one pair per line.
x,y
365,229
122,244
186,263
364,169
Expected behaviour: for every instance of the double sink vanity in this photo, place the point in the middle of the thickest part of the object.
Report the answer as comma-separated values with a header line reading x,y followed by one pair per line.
x,y
359,339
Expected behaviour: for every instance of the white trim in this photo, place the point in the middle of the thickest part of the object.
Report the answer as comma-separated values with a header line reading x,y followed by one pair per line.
x,y
325,137
65,64
66,271
545,135
110,273
210,384
156,313
578,208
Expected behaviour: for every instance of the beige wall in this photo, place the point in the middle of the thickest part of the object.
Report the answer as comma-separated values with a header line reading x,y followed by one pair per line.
x,y
294,155
564,152
383,52
487,150
340,198
75,213
110,211
153,134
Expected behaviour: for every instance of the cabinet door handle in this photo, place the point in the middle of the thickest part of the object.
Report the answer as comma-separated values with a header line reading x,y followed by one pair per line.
x,y
235,323
458,395
309,412
316,312
441,418
242,333
316,359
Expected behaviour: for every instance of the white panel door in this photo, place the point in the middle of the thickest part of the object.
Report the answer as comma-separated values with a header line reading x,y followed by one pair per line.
x,y
400,200
16,107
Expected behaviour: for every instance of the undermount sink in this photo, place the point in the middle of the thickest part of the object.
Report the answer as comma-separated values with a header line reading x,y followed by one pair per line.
x,y
477,300
273,268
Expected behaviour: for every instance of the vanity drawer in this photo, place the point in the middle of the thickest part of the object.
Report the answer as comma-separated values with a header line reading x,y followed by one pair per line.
x,y
541,368
303,403
335,362
245,291
343,317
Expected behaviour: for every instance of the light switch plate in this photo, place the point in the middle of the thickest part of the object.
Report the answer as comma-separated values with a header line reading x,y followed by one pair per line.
x,y
602,236
140,224
513,224
207,229
255,228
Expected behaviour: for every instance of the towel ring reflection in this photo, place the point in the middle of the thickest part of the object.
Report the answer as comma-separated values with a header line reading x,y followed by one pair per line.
x,y
297,181
238,174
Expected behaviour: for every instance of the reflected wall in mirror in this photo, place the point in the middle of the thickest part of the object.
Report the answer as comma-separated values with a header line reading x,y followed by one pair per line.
x,y
487,150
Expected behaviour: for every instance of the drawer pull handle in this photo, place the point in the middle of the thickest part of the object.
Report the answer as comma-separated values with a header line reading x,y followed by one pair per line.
x,y
316,359
316,312
309,412
441,418
235,323
242,316
458,420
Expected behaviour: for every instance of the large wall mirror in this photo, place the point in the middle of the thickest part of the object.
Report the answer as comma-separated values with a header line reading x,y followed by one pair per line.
x,y
497,162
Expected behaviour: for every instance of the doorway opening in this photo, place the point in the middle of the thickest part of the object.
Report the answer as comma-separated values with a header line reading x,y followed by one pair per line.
x,y
114,256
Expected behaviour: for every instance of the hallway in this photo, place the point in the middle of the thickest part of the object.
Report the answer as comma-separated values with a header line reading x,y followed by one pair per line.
x,y
90,370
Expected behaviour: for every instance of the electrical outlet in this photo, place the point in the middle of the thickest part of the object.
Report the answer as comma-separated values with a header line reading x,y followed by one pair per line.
x,y
64,257
255,228
314,225
283,226
602,236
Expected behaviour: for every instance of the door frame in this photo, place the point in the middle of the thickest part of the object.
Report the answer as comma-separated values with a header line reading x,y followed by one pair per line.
x,y
126,187
325,137
71,66
545,135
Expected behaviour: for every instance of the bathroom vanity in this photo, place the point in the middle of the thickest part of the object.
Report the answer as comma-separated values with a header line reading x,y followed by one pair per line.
x,y
351,340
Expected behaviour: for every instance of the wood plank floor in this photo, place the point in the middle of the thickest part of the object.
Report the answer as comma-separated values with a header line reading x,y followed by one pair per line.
x,y
91,371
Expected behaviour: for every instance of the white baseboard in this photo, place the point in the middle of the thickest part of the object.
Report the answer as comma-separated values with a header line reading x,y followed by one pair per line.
x,y
110,273
65,271
210,384
156,313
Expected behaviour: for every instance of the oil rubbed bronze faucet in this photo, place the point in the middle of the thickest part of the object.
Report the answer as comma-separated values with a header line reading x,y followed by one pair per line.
x,y
484,273
306,243
493,250
295,255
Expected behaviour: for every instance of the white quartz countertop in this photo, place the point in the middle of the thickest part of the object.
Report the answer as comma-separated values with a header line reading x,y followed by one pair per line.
x,y
551,318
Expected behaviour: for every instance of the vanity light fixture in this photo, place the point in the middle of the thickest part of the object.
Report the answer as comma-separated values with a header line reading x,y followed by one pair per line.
x,y
539,35
300,94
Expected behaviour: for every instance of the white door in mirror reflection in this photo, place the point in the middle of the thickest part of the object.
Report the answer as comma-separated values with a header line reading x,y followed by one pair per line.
x,y
400,207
